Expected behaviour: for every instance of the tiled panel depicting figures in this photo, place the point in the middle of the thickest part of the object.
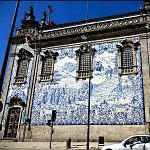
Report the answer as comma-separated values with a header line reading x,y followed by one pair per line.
x,y
15,90
114,99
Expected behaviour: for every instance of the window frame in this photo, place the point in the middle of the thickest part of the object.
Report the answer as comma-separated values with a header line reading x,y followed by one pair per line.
x,y
22,55
45,77
126,66
87,73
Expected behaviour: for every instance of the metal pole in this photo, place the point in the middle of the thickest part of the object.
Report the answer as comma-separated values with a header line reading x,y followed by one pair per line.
x,y
88,124
24,130
51,135
8,47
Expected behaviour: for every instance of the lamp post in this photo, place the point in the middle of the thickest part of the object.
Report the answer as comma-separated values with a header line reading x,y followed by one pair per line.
x,y
88,123
84,37
89,103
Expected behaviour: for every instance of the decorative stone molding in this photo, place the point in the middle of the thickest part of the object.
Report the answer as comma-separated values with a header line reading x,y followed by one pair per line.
x,y
24,54
96,26
133,23
30,32
24,59
16,101
47,66
83,28
127,59
84,61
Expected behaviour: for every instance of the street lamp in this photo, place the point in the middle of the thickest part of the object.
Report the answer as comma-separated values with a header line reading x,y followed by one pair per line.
x,y
85,60
88,123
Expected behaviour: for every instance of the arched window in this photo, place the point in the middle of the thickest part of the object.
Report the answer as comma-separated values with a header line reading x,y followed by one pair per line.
x,y
127,60
85,61
47,66
22,66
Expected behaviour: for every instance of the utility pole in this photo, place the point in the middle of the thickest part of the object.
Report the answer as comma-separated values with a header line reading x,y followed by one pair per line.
x,y
89,92
89,106
8,47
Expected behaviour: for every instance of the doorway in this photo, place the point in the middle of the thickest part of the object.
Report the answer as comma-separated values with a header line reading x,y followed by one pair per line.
x,y
12,122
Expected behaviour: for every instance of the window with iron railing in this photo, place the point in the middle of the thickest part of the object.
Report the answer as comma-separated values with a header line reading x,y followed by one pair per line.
x,y
22,66
85,61
47,69
84,65
127,59
21,71
47,66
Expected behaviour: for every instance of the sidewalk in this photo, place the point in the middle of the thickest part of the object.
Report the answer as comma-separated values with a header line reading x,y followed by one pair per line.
x,y
46,145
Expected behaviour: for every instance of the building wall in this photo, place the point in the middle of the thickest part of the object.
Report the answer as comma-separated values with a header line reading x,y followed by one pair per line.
x,y
117,103
120,106
15,90
114,99
77,133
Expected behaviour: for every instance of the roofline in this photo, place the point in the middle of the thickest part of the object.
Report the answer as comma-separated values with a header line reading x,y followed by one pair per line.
x,y
93,21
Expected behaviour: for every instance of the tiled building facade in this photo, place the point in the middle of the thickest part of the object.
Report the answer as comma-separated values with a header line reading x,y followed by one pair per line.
x,y
51,67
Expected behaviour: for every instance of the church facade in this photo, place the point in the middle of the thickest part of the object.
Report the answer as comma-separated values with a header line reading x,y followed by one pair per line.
x,y
62,67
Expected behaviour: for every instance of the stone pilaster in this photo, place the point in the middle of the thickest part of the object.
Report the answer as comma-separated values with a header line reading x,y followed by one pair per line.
x,y
6,85
32,85
145,51
7,79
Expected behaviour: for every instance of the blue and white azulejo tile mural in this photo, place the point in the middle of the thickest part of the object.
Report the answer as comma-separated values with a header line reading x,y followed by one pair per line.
x,y
20,91
114,99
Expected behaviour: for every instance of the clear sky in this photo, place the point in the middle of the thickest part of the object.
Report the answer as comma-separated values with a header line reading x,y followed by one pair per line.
x,y
64,12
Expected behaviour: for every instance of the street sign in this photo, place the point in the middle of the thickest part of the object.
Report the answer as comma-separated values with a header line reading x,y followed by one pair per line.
x,y
25,118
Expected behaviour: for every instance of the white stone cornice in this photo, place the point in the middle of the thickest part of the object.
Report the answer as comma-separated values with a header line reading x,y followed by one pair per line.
x,y
92,23
84,27
90,27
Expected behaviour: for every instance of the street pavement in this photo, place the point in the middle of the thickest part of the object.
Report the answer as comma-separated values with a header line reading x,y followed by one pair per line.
x,y
46,145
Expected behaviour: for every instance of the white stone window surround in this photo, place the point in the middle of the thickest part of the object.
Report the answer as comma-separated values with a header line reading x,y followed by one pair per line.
x,y
22,66
127,59
84,61
47,66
